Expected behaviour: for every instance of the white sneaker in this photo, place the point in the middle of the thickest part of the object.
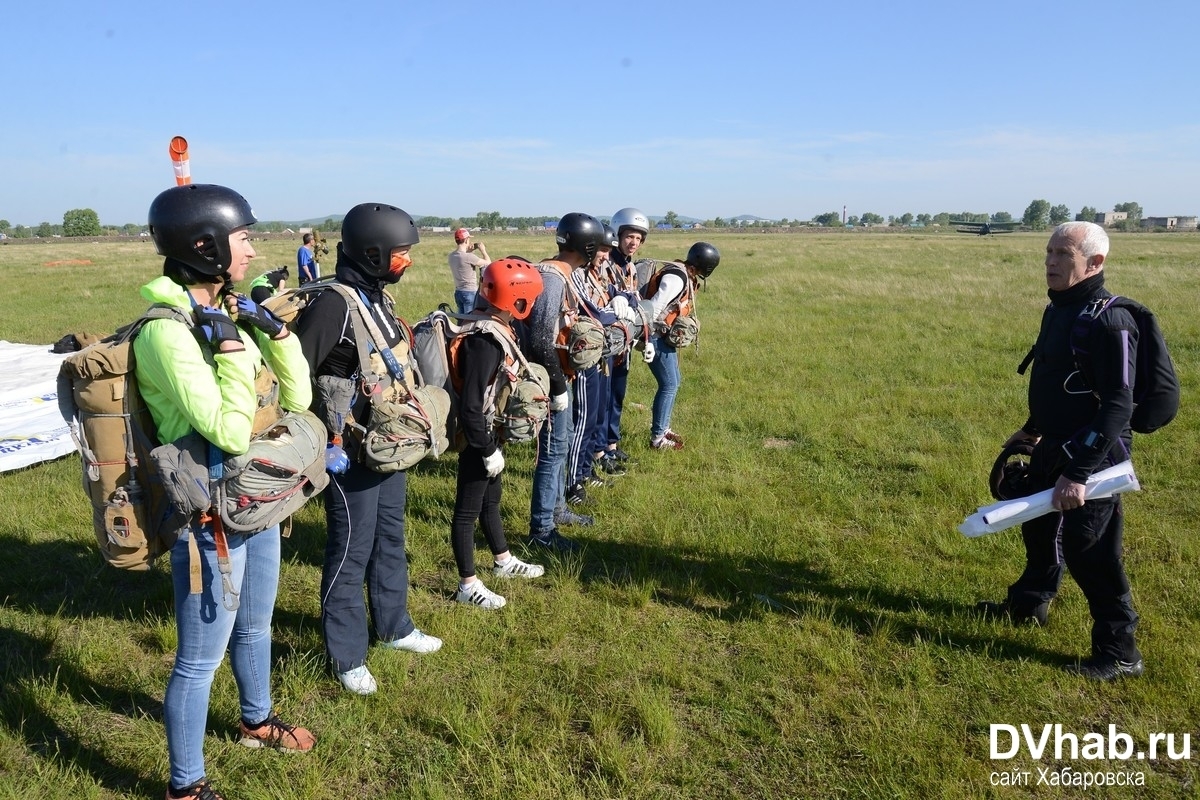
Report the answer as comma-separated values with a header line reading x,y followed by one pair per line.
x,y
480,596
415,642
358,680
516,568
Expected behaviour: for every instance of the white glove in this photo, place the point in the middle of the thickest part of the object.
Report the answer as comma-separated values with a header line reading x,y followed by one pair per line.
x,y
648,352
620,307
560,402
493,465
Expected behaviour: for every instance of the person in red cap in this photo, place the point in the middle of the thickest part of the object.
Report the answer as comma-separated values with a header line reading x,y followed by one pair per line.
x,y
464,267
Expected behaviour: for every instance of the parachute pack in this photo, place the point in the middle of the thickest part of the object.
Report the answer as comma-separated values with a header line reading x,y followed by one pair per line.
x,y
132,517
1155,384
582,342
519,396
142,493
409,415
679,324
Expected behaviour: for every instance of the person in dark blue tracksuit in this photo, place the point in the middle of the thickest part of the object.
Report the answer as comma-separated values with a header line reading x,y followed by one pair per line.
x,y
364,509
1078,429
592,387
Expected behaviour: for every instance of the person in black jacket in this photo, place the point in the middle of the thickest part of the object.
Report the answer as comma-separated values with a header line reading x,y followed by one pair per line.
x,y
507,289
1076,430
364,509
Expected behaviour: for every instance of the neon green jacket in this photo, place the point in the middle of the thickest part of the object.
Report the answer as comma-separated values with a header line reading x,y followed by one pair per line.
x,y
187,387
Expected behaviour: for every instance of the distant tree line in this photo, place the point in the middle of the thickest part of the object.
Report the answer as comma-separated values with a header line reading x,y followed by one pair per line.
x,y
1038,215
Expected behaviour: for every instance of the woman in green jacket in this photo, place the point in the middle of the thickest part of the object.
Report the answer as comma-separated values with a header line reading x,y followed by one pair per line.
x,y
203,379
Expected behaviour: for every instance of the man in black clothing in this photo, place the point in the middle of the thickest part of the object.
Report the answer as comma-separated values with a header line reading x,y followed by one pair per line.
x,y
1076,430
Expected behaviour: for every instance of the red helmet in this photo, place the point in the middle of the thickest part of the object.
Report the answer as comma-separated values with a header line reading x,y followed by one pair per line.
x,y
511,284
461,235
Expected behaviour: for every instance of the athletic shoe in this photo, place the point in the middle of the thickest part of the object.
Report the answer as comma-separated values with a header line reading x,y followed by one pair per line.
x,y
358,680
609,465
619,455
480,596
672,436
569,517
277,734
197,791
415,642
552,540
1107,668
596,482
516,568
576,494
663,443
1038,615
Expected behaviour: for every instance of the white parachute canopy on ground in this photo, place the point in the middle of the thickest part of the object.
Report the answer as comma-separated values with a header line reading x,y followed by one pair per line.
x,y
31,428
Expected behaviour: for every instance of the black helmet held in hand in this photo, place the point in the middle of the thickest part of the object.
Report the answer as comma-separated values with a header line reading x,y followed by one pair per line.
x,y
371,231
703,258
1009,478
191,224
580,233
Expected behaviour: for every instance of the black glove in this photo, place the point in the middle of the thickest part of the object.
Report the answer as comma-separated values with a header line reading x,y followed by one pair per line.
x,y
251,313
216,326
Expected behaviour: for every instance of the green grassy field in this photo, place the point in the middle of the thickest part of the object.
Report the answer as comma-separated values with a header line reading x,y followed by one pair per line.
x,y
782,610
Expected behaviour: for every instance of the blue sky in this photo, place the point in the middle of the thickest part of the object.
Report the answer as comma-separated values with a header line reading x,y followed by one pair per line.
x,y
778,109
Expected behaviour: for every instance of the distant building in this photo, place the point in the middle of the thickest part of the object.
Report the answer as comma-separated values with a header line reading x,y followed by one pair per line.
x,y
1107,218
1171,223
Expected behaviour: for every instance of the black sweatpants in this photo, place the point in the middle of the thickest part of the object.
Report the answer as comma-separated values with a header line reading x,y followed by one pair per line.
x,y
1089,540
477,498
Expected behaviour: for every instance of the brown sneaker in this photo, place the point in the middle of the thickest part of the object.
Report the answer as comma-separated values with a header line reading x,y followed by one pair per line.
x,y
276,733
197,791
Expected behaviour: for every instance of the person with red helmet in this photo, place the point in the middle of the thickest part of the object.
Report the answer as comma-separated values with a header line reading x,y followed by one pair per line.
x,y
464,268
507,290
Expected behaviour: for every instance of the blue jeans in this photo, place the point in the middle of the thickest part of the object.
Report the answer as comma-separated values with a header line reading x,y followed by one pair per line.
x,y
665,369
207,628
465,300
549,476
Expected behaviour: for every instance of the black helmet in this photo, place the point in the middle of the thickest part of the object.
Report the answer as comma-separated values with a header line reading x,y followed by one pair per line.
x,y
1010,472
580,233
610,237
191,224
703,257
371,231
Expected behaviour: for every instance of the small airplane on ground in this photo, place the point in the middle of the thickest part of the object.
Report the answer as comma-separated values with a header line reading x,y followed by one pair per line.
x,y
983,228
